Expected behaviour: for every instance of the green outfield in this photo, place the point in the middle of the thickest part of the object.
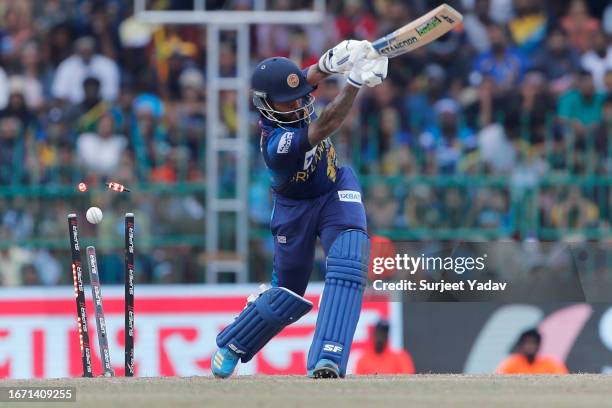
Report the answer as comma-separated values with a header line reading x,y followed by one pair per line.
x,y
579,390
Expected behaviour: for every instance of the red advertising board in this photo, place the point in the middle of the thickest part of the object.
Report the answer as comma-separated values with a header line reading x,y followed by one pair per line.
x,y
175,334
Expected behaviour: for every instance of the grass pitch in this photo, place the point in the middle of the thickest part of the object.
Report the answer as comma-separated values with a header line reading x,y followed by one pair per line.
x,y
428,391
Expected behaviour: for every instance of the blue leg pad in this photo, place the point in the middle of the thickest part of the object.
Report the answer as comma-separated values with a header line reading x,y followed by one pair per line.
x,y
345,279
261,320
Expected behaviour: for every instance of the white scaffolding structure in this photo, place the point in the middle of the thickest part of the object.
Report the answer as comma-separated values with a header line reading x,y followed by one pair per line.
x,y
217,145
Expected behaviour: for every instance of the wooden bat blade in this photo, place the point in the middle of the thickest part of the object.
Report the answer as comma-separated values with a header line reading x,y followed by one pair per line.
x,y
419,32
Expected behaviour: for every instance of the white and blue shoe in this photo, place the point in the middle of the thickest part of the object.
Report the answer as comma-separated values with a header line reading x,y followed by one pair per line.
x,y
223,362
325,369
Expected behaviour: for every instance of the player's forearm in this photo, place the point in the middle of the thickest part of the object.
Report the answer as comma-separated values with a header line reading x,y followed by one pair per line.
x,y
315,75
333,115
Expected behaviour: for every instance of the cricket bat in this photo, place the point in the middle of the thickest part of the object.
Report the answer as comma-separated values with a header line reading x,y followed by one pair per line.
x,y
419,32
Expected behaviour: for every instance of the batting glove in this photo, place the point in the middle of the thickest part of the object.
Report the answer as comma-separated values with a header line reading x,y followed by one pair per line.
x,y
341,58
368,72
374,72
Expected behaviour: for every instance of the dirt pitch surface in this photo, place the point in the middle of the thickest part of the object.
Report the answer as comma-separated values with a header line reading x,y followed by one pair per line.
x,y
457,391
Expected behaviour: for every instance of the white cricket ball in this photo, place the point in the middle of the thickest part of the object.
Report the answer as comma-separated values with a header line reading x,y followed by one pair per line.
x,y
94,215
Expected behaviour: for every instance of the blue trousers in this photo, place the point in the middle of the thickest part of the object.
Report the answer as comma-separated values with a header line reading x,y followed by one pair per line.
x,y
296,224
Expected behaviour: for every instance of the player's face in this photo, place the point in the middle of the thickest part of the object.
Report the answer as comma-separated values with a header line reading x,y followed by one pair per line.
x,y
292,108
529,347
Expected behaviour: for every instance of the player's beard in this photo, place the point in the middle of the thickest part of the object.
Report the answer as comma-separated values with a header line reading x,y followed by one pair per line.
x,y
292,116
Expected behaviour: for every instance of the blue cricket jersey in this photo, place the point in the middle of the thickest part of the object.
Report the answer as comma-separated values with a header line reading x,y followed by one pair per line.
x,y
298,170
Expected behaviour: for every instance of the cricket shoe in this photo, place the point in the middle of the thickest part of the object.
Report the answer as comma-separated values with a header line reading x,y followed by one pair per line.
x,y
325,369
224,362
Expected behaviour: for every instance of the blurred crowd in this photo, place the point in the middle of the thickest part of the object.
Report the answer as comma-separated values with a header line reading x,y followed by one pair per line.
x,y
522,92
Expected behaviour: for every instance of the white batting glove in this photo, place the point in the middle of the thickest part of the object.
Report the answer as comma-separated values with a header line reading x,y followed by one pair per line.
x,y
374,72
368,72
358,60
341,58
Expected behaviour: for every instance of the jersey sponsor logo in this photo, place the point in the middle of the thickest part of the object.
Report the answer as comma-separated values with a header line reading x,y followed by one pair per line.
x,y
349,196
332,348
284,143
281,239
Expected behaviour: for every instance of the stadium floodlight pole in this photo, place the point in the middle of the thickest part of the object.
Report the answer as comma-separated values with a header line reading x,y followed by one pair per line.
x,y
79,294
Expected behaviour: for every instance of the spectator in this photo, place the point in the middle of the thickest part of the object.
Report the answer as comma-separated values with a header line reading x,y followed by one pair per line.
x,y
528,26
608,81
100,152
424,94
557,60
356,21
190,118
148,137
299,49
575,211
381,209
525,359
58,43
173,47
29,275
537,107
495,146
392,15
33,87
49,270
598,60
501,11
607,20
12,151
503,63
4,88
81,65
88,112
101,27
380,107
603,139
16,106
489,211
421,208
455,206
381,358
475,23
17,30
581,108
447,141
579,25
12,260
56,131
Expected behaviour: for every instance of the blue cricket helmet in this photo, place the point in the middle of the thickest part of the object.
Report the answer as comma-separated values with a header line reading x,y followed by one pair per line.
x,y
279,79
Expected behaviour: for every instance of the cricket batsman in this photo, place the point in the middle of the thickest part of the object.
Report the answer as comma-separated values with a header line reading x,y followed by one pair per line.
x,y
313,197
